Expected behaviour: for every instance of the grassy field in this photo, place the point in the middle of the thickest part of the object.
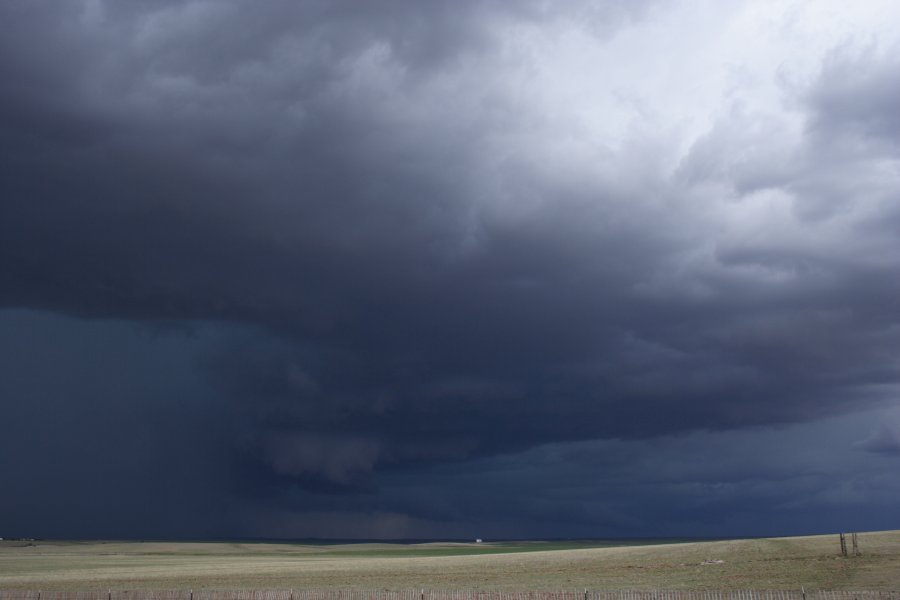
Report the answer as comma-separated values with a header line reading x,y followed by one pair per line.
x,y
776,563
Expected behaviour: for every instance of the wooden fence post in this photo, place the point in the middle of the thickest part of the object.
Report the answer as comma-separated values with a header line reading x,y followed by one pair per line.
x,y
855,544
843,545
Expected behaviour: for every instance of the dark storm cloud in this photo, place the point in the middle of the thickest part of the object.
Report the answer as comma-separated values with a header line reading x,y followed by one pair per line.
x,y
107,431
700,484
432,265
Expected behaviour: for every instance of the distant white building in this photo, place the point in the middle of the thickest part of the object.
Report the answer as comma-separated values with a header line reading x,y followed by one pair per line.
x,y
477,540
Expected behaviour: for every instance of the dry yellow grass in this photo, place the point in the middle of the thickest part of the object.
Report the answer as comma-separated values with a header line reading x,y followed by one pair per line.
x,y
776,563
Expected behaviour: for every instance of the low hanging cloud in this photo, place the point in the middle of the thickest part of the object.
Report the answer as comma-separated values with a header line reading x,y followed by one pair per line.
x,y
439,232
336,458
884,439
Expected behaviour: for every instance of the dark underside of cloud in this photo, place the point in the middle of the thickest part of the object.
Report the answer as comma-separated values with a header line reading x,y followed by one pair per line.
x,y
382,260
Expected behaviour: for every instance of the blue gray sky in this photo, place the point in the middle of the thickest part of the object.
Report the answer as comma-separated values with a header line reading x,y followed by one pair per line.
x,y
411,269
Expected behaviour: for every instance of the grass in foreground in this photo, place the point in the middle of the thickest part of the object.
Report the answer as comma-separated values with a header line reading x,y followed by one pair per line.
x,y
776,563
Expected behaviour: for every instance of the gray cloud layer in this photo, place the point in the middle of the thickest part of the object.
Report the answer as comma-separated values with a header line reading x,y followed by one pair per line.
x,y
432,257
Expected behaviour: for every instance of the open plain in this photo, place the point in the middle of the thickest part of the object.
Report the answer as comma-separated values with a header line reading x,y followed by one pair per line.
x,y
813,562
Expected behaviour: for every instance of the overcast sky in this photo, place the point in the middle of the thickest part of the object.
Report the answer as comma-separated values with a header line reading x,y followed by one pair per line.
x,y
410,269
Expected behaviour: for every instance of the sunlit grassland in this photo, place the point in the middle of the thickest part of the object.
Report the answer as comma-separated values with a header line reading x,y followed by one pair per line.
x,y
776,563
